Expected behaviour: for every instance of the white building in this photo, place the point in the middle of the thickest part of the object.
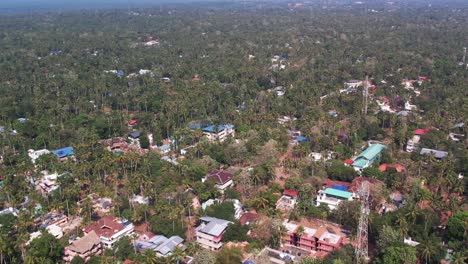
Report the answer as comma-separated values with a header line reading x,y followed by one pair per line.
x,y
48,182
110,230
333,197
35,154
218,133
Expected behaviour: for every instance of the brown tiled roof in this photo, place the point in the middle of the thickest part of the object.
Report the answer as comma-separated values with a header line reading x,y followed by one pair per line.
x,y
249,217
107,226
220,176
85,243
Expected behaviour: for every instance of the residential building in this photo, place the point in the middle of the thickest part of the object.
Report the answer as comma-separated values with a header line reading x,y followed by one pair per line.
x,y
312,237
162,245
100,205
64,153
35,154
353,83
210,232
222,178
139,199
274,257
249,218
110,229
333,197
51,218
84,247
437,153
368,156
288,200
218,133
413,143
47,183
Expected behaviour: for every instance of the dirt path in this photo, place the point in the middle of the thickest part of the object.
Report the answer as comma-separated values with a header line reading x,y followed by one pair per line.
x,y
281,174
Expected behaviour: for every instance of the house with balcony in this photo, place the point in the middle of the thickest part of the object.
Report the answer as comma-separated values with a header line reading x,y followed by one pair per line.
x,y
332,197
110,229
413,143
222,178
288,200
84,247
367,157
218,133
316,238
210,232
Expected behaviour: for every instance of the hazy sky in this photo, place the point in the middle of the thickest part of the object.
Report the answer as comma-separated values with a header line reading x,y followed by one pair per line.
x,y
81,3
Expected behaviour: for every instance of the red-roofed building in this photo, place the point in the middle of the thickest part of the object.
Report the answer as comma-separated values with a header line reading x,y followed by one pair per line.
x,y
421,132
348,162
133,122
222,178
398,167
109,229
314,238
290,193
287,201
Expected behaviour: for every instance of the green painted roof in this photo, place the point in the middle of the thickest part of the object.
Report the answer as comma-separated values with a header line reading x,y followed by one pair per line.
x,y
338,193
372,151
359,162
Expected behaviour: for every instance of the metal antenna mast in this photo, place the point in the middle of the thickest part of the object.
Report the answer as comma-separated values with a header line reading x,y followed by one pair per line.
x,y
361,250
366,94
464,55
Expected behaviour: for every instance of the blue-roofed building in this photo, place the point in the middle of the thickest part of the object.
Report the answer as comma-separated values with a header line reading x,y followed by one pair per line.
x,y
368,156
22,120
210,232
63,153
301,139
120,73
218,133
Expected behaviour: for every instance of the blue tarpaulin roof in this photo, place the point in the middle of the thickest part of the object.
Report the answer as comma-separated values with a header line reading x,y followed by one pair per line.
x,y
63,152
301,139
216,129
339,187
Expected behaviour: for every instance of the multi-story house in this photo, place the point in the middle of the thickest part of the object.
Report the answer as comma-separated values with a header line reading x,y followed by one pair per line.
x,y
333,197
322,237
210,232
110,229
218,133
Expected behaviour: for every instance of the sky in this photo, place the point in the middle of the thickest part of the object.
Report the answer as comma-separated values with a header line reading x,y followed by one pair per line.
x,y
38,5
21,6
